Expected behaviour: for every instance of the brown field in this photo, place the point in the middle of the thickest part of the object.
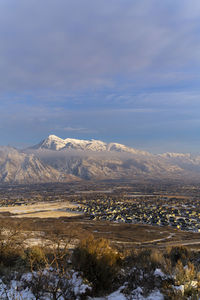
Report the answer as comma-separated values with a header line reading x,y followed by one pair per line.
x,y
122,235
47,214
41,210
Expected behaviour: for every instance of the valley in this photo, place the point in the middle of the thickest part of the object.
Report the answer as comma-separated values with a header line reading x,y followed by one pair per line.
x,y
51,228
128,214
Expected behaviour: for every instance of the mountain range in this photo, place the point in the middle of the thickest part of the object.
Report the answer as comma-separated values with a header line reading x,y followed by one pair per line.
x,y
61,160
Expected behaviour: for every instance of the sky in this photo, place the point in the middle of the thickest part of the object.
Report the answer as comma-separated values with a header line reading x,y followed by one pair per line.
x,y
125,71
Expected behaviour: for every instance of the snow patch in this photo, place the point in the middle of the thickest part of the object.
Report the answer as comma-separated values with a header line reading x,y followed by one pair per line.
x,y
159,273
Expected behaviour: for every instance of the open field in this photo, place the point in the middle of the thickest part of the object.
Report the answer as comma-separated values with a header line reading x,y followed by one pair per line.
x,y
47,214
41,210
122,235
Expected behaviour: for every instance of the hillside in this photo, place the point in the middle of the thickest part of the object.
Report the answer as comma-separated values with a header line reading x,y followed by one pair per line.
x,y
94,159
60,160
17,167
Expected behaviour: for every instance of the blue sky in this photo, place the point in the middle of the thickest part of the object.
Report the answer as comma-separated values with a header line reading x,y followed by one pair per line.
x,y
118,70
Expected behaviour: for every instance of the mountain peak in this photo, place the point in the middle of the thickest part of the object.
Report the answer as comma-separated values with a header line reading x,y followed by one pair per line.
x,y
53,142
95,159
53,137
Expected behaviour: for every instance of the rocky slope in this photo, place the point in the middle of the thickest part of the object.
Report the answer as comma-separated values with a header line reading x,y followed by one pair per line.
x,y
92,159
16,167
60,160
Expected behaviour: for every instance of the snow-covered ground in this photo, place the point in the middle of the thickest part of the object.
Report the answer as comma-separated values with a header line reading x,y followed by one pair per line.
x,y
136,295
15,291
24,288
41,285
21,290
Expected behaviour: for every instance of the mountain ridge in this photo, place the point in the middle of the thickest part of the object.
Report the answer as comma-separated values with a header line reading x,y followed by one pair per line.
x,y
53,142
19,167
60,160
94,159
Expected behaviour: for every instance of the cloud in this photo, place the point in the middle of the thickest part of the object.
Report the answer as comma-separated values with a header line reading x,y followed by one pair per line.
x,y
119,70
66,45
76,129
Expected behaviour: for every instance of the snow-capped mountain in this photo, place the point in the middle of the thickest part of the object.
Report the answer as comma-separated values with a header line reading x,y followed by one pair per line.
x,y
93,159
58,160
52,142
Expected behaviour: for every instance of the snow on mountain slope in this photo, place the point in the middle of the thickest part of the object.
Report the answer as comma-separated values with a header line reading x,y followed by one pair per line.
x,y
52,142
176,155
93,159
16,167
93,145
121,148
107,165
185,161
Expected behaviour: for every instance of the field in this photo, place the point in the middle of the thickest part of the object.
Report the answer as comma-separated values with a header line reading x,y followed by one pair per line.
x,y
126,236
41,210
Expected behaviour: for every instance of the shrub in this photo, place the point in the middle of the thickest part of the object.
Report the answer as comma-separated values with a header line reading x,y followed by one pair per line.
x,y
49,283
98,262
140,267
36,257
179,253
146,259
180,276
